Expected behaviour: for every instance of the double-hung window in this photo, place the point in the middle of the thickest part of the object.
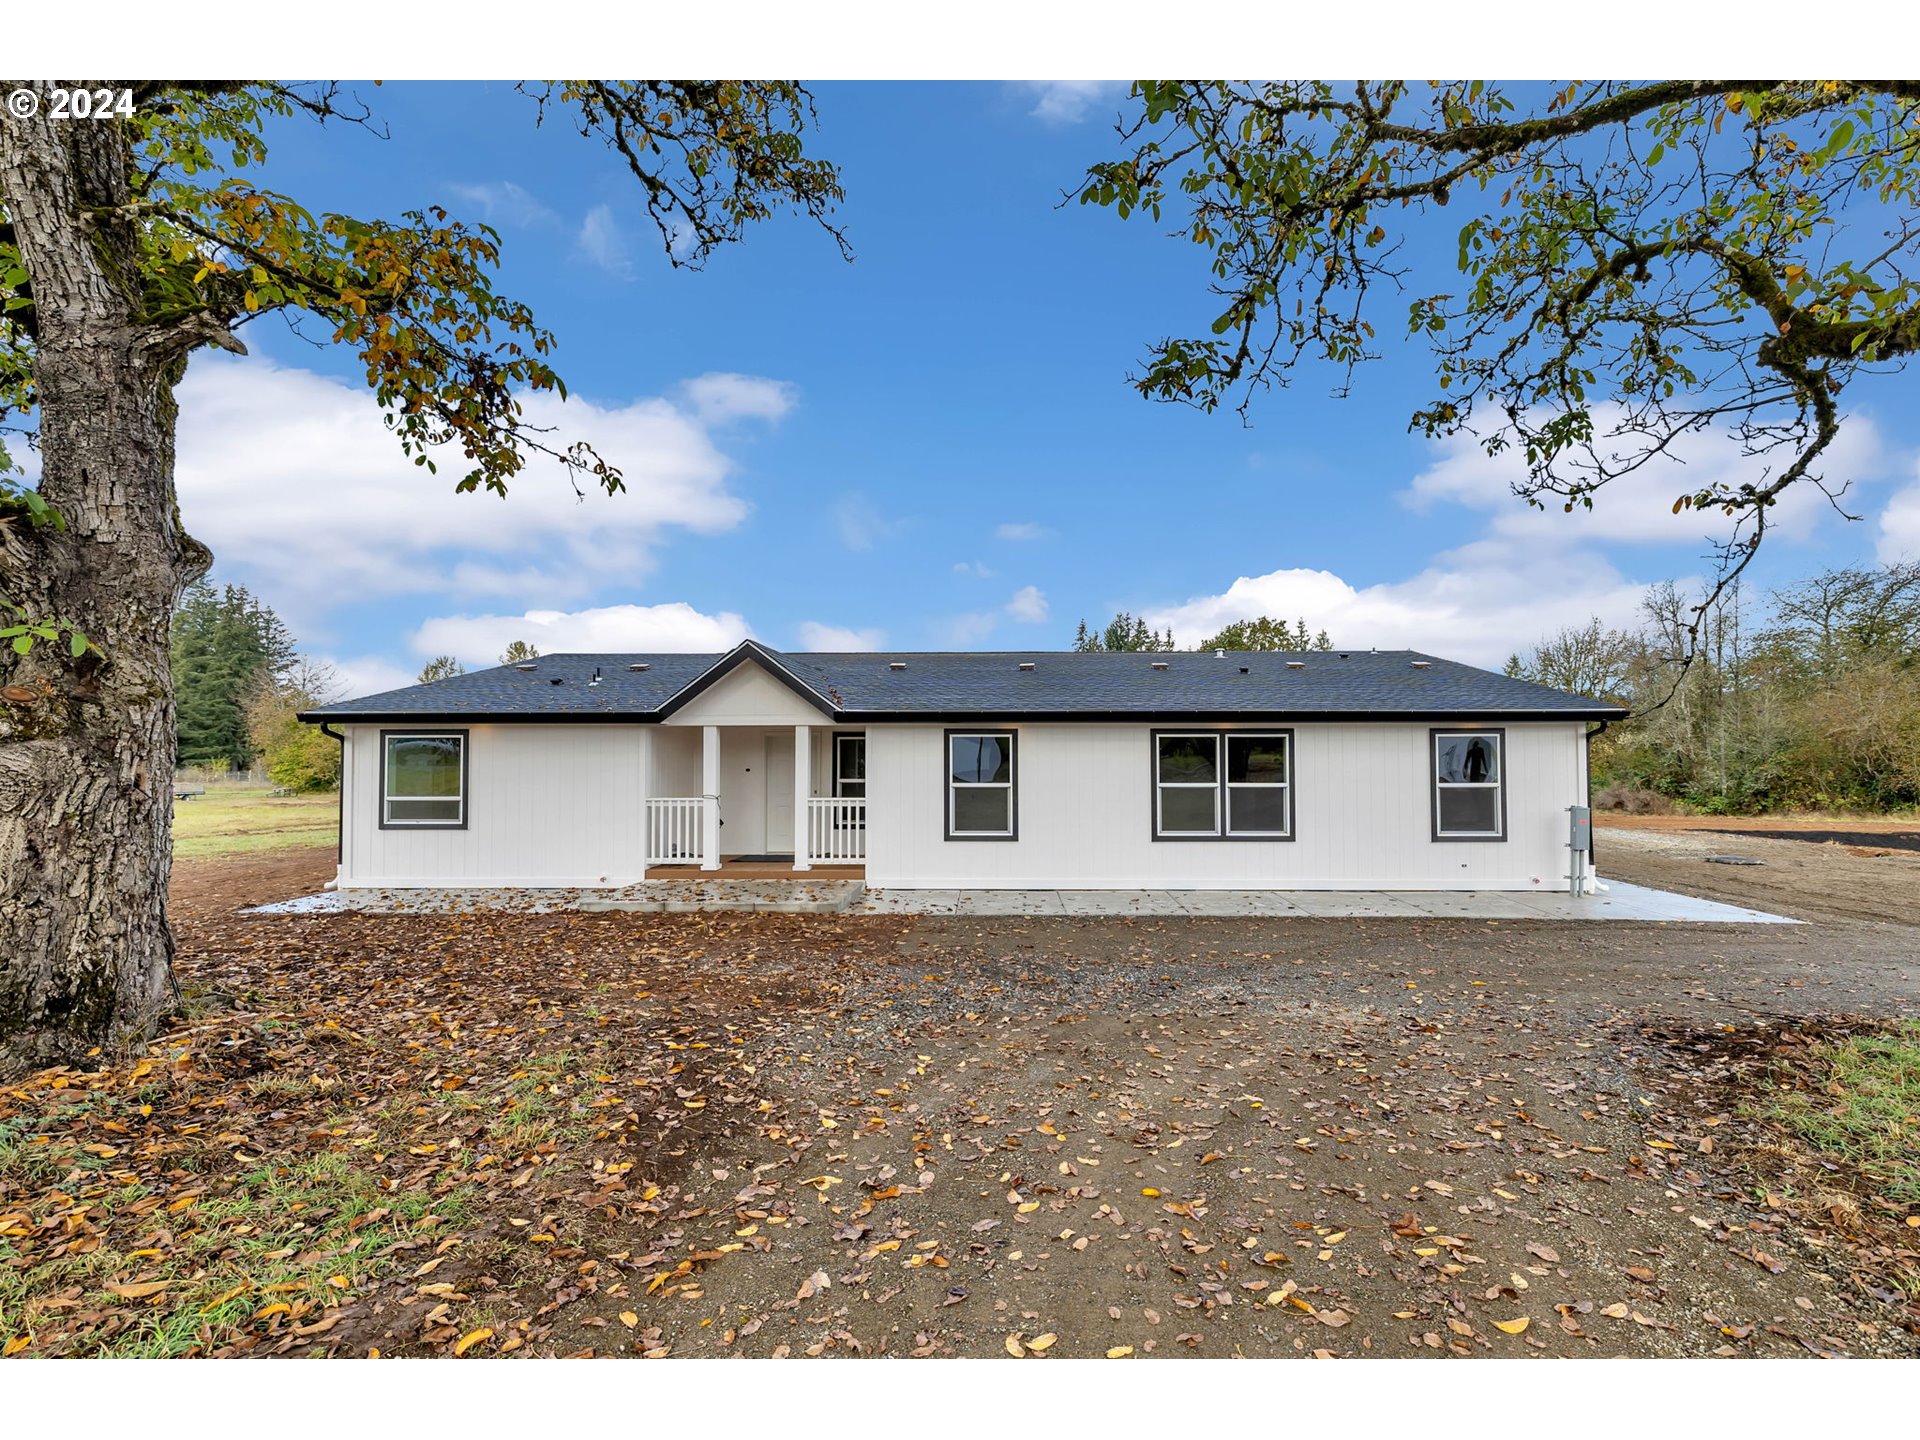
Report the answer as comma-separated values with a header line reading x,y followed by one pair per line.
x,y
1469,785
423,779
981,802
1222,784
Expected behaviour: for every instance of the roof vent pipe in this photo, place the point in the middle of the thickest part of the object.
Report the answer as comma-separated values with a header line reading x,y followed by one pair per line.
x,y
1219,654
1243,669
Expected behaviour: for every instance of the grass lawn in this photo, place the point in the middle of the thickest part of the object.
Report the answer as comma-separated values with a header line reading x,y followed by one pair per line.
x,y
252,821
1862,1106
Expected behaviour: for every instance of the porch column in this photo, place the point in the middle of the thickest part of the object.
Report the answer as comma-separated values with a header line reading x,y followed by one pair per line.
x,y
710,797
802,792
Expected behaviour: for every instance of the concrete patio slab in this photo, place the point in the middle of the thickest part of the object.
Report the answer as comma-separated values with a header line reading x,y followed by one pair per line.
x,y
1621,901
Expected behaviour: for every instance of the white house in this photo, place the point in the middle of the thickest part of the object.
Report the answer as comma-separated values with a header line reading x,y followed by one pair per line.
x,y
1109,770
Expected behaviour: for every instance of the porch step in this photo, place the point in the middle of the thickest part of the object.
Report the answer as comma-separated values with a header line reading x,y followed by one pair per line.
x,y
772,897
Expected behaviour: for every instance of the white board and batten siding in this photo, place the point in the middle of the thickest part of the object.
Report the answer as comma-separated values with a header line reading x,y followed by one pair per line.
x,y
547,805
1362,815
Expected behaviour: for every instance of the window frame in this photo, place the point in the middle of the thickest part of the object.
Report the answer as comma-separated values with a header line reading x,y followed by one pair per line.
x,y
1222,786
440,732
840,736
1499,785
948,785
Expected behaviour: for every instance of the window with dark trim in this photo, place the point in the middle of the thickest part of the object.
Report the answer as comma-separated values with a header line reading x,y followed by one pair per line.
x,y
981,800
1469,784
1222,784
850,765
423,779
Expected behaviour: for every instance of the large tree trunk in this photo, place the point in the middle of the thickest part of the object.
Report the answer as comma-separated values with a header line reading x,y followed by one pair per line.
x,y
87,746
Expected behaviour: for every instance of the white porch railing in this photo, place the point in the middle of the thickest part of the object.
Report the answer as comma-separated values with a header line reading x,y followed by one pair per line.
x,y
836,831
674,830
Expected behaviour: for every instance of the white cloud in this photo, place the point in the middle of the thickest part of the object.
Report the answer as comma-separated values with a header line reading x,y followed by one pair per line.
x,y
1900,525
815,636
860,524
1068,102
1021,530
365,675
603,242
302,493
724,396
677,627
1637,508
1479,603
1029,603
964,631
501,202
977,569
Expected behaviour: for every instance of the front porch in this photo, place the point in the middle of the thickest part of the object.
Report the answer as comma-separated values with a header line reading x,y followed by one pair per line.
x,y
757,802
756,867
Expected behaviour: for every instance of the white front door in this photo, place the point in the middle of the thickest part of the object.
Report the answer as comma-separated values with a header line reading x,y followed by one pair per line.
x,y
779,776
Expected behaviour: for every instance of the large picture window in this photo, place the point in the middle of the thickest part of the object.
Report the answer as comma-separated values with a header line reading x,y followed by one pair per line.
x,y
981,802
423,779
1222,785
1469,785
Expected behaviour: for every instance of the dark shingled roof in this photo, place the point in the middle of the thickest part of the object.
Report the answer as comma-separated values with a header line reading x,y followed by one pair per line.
x,y
976,685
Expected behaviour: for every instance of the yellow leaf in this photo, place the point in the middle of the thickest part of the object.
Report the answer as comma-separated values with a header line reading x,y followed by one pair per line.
x,y
1151,1193
1015,1348
472,1338
1512,1327
1029,1207
629,1319
17,1344
1119,1352
1042,1342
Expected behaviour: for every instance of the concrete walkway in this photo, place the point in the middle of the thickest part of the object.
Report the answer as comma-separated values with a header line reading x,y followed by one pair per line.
x,y
1621,902
827,897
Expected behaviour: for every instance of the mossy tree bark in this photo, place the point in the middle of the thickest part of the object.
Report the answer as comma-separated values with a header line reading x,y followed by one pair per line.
x,y
87,744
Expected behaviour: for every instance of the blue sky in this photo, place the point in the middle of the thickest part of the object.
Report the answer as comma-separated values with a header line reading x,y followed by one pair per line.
x,y
932,446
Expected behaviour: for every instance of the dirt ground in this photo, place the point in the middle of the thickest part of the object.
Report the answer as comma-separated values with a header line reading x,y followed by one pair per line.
x,y
886,1135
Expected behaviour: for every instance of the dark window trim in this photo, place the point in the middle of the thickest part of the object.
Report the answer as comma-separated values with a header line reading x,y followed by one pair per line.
x,y
833,757
1013,781
466,796
1220,784
1433,782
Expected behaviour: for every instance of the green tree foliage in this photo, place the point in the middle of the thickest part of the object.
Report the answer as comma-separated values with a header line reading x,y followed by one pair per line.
x,y
519,652
441,667
1635,261
226,647
1808,698
296,755
1266,633
1123,632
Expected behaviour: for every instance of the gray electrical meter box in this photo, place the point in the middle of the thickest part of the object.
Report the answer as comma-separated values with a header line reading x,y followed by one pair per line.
x,y
1580,819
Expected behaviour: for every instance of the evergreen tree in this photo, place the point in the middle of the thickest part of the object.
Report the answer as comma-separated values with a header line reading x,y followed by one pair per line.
x,y
226,646
519,652
441,667
1123,632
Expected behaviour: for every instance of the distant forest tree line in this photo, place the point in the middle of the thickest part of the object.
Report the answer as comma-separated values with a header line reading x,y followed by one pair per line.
x,y
1805,697
1131,632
